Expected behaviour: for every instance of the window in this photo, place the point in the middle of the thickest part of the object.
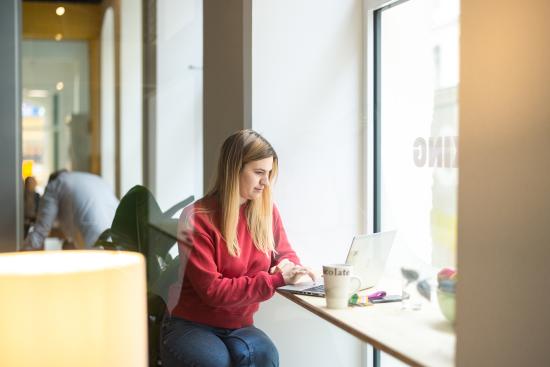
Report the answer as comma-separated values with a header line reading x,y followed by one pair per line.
x,y
412,103
416,127
56,107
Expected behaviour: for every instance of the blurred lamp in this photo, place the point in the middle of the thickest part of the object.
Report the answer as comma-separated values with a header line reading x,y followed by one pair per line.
x,y
73,308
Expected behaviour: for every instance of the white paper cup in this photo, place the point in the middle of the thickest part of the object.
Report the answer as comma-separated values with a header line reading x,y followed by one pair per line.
x,y
340,284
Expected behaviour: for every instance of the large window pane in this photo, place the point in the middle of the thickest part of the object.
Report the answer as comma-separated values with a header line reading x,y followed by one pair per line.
x,y
418,122
55,107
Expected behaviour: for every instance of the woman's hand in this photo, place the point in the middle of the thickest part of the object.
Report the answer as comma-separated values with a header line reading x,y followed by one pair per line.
x,y
294,274
280,266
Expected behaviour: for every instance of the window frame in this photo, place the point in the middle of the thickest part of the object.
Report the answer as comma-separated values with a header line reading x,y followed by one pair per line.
x,y
372,25
372,10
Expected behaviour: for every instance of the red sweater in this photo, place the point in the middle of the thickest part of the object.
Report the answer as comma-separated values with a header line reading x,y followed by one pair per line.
x,y
218,289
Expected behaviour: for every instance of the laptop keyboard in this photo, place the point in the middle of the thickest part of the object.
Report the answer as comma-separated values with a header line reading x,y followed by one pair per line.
x,y
318,288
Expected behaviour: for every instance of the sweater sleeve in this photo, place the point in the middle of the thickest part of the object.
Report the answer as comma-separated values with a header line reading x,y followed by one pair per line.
x,y
283,250
216,290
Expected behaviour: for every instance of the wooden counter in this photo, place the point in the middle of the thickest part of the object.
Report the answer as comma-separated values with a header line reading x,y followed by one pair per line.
x,y
420,337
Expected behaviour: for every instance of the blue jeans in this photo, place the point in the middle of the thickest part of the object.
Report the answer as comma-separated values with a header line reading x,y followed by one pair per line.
x,y
189,344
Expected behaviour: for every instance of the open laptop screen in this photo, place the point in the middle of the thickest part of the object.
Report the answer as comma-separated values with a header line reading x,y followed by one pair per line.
x,y
368,255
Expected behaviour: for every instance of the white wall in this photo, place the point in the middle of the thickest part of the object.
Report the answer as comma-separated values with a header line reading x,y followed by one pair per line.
x,y
131,76
504,198
307,101
179,101
107,98
304,339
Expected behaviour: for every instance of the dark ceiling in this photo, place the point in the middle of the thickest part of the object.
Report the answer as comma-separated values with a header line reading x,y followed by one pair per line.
x,y
66,1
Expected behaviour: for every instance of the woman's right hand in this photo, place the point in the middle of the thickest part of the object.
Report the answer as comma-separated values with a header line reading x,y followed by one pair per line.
x,y
293,274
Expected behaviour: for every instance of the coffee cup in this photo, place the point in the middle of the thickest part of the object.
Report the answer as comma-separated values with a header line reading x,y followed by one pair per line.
x,y
340,284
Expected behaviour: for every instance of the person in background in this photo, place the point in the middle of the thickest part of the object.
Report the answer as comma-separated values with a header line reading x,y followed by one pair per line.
x,y
234,254
31,199
83,204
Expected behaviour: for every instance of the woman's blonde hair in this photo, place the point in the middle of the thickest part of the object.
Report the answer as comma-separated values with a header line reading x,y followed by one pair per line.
x,y
240,148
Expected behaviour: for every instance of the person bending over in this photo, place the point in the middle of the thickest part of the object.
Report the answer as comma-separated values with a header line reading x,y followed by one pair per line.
x,y
234,253
83,204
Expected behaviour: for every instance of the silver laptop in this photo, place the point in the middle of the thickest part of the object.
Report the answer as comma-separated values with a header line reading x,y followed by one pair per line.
x,y
368,255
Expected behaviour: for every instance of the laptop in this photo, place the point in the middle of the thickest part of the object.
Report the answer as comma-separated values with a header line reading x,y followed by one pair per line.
x,y
368,255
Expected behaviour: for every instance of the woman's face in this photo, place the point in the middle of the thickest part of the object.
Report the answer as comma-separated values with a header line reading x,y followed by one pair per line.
x,y
254,177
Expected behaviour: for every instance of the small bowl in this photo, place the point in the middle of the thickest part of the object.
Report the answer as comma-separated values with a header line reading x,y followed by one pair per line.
x,y
446,302
447,285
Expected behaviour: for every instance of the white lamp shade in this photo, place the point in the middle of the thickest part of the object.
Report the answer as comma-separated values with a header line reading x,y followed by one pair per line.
x,y
73,308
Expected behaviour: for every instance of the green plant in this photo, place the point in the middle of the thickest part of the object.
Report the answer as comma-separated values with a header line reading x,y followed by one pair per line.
x,y
140,225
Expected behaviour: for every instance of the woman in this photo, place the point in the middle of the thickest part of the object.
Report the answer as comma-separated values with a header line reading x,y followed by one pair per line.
x,y
235,254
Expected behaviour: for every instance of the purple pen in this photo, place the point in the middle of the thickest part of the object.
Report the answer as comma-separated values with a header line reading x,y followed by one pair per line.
x,y
377,295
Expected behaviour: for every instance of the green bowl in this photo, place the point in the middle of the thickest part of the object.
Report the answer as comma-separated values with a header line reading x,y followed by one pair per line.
x,y
446,304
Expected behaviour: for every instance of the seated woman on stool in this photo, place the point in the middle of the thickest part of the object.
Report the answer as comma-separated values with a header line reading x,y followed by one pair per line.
x,y
234,253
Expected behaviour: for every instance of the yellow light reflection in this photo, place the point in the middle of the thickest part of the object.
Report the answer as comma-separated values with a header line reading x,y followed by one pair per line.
x,y
26,170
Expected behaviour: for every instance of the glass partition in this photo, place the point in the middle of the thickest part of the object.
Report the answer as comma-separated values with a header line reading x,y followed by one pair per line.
x,y
112,93
113,89
55,81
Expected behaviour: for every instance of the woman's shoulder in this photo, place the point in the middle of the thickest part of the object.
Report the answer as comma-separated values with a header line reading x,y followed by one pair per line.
x,y
207,204
201,211
276,215
275,210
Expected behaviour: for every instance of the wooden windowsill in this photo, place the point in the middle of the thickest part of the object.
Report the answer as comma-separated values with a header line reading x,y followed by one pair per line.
x,y
418,338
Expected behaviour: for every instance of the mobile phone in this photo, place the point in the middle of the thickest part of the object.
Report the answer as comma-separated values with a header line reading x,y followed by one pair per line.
x,y
388,298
